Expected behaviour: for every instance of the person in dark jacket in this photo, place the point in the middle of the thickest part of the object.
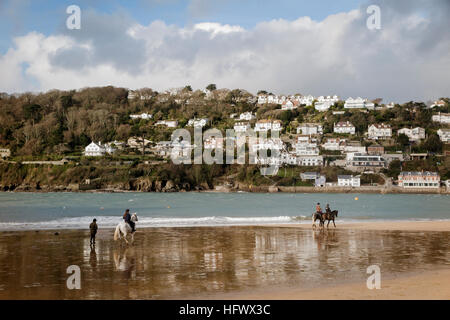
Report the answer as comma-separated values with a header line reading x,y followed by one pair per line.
x,y
127,218
93,227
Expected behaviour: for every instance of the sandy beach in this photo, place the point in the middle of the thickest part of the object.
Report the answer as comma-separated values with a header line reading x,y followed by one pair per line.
x,y
429,285
234,262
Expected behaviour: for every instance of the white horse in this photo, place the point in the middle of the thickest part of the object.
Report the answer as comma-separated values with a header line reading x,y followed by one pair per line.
x,y
125,229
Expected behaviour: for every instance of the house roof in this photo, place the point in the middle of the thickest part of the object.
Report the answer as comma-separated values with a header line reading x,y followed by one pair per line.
x,y
418,173
344,124
346,176
381,126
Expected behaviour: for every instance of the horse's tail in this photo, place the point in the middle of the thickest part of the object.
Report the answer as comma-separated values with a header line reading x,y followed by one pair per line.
x,y
117,233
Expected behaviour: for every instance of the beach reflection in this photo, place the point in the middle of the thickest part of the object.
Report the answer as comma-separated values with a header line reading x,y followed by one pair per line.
x,y
184,262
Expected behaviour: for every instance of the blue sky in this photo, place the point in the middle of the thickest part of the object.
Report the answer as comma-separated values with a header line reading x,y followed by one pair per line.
x,y
285,46
19,17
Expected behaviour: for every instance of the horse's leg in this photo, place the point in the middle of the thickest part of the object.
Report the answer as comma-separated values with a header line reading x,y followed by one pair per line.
x,y
334,223
328,223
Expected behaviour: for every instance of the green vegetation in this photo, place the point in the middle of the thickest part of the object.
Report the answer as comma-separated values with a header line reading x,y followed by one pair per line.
x,y
59,124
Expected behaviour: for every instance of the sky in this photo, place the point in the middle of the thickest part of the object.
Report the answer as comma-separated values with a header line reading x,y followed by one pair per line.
x,y
319,47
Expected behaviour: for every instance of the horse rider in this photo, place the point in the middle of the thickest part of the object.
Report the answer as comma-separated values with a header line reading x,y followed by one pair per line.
x,y
127,218
327,208
318,209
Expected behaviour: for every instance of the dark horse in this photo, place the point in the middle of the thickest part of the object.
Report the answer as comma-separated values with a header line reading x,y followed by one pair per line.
x,y
329,216
317,216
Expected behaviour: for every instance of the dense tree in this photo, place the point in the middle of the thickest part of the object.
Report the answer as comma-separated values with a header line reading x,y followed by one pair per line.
x,y
394,168
433,143
402,140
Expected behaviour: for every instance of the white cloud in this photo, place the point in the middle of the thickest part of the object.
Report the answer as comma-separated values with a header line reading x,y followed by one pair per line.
x,y
337,55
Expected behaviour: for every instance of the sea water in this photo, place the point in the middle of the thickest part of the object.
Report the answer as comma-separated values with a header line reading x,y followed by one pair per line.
x,y
29,211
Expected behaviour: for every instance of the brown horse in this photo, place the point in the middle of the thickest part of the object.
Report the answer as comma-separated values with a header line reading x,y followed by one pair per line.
x,y
329,216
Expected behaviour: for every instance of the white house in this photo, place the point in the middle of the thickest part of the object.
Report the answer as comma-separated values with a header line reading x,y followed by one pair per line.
x,y
288,105
322,106
334,144
344,127
358,103
94,150
328,99
266,125
136,142
441,117
267,144
444,135
379,131
144,116
262,99
242,126
98,150
306,146
5,153
324,103
197,123
408,179
132,95
415,134
177,148
307,100
390,105
247,116
167,123
310,128
310,161
349,181
364,160
289,158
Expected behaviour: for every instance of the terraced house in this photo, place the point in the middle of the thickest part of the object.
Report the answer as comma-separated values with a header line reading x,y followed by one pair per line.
x,y
415,179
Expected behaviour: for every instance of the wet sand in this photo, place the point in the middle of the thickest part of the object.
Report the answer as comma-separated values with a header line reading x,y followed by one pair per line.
x,y
443,225
428,285
260,262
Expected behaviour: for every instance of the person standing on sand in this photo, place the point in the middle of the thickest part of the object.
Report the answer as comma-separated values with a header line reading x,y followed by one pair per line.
x,y
93,227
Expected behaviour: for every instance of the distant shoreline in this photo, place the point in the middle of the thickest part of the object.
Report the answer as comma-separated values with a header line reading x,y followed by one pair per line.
x,y
436,225
256,189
